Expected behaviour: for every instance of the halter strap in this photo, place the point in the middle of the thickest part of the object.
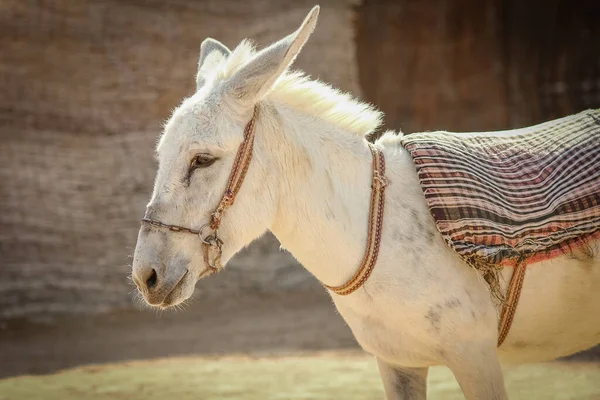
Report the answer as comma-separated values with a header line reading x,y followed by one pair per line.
x,y
238,172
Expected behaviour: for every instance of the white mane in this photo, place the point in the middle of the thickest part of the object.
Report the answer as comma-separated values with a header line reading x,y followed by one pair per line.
x,y
297,90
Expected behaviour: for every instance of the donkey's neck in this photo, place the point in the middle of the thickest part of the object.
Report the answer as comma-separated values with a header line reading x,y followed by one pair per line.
x,y
324,196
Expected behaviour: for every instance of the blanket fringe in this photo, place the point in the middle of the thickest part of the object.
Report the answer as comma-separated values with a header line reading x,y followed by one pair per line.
x,y
490,272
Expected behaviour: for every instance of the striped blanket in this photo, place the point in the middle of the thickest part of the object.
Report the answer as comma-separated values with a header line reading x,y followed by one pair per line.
x,y
524,195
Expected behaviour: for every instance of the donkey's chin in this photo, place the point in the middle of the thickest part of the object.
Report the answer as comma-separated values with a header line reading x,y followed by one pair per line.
x,y
178,295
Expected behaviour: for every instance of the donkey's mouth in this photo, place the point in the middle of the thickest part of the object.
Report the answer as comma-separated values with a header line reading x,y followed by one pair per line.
x,y
175,295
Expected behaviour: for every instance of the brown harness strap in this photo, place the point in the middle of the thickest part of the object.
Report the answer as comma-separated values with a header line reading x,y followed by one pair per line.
x,y
378,186
513,294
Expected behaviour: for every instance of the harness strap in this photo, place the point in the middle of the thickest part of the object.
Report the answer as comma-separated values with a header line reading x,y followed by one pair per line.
x,y
513,294
378,186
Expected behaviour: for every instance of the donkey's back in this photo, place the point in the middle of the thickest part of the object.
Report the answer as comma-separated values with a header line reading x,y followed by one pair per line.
x,y
523,200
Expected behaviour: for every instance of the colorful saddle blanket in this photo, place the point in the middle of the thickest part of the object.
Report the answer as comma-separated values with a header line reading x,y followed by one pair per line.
x,y
528,194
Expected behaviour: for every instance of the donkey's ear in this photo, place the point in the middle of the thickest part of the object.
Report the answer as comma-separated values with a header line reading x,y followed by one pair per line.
x,y
259,74
212,53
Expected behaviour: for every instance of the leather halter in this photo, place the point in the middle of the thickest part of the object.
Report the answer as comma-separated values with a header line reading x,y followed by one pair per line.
x,y
213,242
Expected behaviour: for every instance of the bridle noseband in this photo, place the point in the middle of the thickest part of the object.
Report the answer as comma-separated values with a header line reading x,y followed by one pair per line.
x,y
213,243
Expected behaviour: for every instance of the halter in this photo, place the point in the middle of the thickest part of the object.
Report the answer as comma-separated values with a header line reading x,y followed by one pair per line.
x,y
212,241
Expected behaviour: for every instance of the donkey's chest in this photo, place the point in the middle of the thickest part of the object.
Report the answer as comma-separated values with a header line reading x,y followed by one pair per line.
x,y
393,336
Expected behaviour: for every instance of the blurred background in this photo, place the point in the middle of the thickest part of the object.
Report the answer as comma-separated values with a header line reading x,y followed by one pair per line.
x,y
85,86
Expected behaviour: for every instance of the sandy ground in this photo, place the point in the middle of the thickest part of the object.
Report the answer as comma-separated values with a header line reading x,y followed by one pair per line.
x,y
279,340
345,375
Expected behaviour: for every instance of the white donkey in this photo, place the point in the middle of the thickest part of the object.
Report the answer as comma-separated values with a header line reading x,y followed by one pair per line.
x,y
309,182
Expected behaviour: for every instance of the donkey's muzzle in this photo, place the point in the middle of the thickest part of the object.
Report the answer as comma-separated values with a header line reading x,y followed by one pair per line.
x,y
155,287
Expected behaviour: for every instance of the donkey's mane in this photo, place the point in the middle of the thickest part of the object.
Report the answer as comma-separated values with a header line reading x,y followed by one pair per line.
x,y
297,90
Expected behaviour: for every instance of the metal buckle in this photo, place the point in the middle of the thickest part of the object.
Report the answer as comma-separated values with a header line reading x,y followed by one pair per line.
x,y
206,239
215,243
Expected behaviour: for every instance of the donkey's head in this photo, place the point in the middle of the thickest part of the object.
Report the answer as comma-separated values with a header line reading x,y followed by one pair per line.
x,y
196,154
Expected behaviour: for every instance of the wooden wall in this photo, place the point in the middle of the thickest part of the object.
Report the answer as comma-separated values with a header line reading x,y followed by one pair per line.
x,y
478,65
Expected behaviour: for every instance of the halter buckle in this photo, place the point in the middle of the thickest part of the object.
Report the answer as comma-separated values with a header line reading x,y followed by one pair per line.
x,y
213,242
208,239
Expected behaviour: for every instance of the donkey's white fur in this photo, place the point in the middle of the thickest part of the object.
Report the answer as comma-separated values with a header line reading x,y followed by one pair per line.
x,y
309,183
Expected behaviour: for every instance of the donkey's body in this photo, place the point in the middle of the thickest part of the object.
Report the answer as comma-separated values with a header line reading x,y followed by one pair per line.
x,y
423,305
557,314
309,183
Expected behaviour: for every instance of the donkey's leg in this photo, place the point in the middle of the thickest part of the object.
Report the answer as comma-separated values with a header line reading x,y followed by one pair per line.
x,y
403,383
477,370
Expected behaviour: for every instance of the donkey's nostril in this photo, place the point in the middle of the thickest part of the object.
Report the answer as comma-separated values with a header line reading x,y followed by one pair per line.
x,y
151,281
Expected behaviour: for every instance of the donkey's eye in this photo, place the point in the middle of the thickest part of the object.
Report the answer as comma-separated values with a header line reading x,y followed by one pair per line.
x,y
202,160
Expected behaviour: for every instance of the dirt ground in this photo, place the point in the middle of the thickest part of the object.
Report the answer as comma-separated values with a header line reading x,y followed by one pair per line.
x,y
290,330
345,374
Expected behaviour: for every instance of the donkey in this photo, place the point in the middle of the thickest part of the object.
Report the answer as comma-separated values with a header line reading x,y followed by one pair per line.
x,y
309,182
